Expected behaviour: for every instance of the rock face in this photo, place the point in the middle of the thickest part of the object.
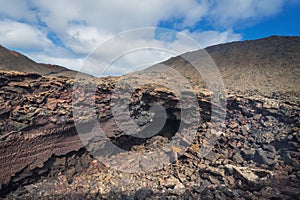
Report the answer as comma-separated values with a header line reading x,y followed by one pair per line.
x,y
255,156
35,122
48,149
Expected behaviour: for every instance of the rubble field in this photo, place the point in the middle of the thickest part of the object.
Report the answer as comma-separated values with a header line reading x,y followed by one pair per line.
x,y
255,154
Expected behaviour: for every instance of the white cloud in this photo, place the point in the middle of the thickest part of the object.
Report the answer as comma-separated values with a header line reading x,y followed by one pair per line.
x,y
82,39
209,38
72,63
138,49
83,25
229,13
21,35
34,43
17,10
99,20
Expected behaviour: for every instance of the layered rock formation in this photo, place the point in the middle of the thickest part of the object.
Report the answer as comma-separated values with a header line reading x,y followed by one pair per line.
x,y
51,142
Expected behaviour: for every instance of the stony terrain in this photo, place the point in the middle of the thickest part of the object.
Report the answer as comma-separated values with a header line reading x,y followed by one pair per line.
x,y
265,66
254,154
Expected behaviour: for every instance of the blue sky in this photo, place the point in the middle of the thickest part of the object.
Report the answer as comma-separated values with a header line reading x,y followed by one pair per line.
x,y
285,23
65,32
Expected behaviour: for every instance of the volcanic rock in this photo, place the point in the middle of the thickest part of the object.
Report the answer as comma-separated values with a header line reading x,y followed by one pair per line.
x,y
51,143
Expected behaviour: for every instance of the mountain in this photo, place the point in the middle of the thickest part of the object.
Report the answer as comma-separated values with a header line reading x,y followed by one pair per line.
x,y
268,65
14,61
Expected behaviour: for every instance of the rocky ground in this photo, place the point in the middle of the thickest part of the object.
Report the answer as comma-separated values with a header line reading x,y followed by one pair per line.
x,y
255,156
88,138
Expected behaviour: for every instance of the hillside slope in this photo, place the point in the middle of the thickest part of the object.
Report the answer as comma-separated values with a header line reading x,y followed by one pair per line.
x,y
269,65
14,61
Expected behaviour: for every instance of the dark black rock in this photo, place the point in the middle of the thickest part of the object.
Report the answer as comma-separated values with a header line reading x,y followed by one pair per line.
x,y
260,157
143,193
248,154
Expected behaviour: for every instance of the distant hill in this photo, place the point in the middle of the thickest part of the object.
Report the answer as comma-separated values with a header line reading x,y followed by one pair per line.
x,y
14,61
265,65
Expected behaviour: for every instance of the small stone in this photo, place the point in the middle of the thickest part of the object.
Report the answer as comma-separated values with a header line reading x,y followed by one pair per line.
x,y
175,185
268,121
78,167
230,180
271,104
233,125
261,157
238,158
94,162
248,174
59,162
212,157
143,193
285,156
248,154
70,173
51,103
188,171
269,192
298,174
291,191
213,180
18,126
4,110
269,148
215,171
53,119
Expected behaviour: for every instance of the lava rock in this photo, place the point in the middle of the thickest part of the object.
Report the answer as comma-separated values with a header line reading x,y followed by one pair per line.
x,y
143,193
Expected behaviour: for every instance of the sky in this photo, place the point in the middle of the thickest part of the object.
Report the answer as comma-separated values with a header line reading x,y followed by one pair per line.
x,y
68,32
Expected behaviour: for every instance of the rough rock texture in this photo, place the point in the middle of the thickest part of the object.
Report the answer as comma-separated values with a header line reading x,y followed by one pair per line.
x,y
262,66
255,156
35,122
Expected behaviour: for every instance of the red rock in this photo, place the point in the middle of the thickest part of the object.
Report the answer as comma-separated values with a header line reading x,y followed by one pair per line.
x,y
51,103
60,101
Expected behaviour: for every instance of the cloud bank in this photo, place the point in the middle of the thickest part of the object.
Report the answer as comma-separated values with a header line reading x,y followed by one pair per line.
x,y
64,32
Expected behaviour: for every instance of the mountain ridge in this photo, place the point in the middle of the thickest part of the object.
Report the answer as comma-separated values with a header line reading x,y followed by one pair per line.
x,y
265,65
14,61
